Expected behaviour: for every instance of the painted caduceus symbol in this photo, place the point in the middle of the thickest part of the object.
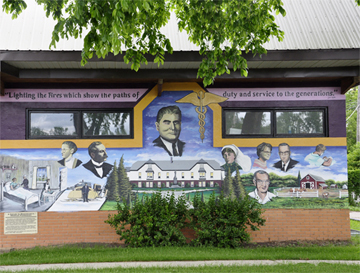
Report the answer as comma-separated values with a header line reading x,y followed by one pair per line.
x,y
201,99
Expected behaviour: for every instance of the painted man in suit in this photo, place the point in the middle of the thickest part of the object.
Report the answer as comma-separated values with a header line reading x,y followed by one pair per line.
x,y
97,164
286,163
168,124
85,192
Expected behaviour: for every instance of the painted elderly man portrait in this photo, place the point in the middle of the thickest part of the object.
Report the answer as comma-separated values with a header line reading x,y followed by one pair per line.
x,y
261,193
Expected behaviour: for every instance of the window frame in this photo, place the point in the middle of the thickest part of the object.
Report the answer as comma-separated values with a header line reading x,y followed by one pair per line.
x,y
79,123
273,125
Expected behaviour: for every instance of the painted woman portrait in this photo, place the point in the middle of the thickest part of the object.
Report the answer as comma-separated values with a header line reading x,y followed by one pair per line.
x,y
68,148
235,159
263,152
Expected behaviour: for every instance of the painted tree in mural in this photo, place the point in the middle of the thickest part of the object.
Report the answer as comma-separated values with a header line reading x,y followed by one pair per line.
x,y
227,186
221,29
124,185
298,179
112,185
276,180
238,186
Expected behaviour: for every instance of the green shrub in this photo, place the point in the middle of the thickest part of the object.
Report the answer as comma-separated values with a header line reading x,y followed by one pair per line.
x,y
354,185
152,221
223,222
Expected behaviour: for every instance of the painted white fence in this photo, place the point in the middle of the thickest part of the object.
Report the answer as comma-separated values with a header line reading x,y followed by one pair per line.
x,y
297,194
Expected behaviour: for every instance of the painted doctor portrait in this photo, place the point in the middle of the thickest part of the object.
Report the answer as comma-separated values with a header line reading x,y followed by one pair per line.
x,y
68,149
286,162
261,181
168,124
97,164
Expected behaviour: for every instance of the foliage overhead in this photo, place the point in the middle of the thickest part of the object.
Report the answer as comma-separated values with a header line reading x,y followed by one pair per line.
x,y
222,29
351,118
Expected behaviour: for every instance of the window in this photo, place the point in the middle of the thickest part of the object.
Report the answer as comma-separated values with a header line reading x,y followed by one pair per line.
x,y
139,174
150,175
42,124
309,122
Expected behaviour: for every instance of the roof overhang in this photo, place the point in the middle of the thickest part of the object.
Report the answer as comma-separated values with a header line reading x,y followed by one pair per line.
x,y
331,66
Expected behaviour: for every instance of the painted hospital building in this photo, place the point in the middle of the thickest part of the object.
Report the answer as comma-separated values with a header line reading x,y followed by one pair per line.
x,y
168,173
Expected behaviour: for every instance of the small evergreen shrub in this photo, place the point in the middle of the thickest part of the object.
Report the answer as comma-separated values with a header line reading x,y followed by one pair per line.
x,y
152,221
223,222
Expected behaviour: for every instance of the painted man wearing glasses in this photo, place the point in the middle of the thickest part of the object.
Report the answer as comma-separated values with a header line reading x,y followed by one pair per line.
x,y
261,181
286,163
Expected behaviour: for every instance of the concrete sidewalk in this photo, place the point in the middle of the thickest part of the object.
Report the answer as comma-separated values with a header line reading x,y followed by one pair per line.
x,y
40,267
355,215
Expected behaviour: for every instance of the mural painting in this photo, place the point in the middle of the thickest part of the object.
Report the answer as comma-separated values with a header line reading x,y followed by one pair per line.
x,y
177,154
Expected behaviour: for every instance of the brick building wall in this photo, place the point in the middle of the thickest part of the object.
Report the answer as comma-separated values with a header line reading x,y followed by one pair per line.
x,y
58,228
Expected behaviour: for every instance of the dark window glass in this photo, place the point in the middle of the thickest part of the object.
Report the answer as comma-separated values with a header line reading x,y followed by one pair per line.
x,y
274,122
52,124
106,124
47,124
248,122
300,122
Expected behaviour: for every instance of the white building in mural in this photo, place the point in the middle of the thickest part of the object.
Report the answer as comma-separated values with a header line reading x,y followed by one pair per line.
x,y
184,173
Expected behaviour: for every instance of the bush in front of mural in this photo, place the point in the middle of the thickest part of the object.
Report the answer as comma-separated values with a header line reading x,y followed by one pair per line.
x,y
152,221
223,222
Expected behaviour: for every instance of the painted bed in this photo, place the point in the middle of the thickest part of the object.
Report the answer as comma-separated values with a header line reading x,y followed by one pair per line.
x,y
20,195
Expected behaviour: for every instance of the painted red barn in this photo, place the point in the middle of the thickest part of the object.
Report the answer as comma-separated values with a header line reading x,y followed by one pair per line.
x,y
311,181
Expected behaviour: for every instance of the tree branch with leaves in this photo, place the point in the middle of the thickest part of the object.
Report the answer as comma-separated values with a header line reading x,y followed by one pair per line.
x,y
222,29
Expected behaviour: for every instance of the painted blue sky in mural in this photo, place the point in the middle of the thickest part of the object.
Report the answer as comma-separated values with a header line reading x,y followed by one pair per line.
x,y
195,148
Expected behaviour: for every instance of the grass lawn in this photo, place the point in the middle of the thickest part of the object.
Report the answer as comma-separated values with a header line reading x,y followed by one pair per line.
x,y
286,268
355,224
98,253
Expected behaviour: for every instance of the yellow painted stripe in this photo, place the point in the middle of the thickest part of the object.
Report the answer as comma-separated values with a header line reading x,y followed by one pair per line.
x,y
182,86
131,143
